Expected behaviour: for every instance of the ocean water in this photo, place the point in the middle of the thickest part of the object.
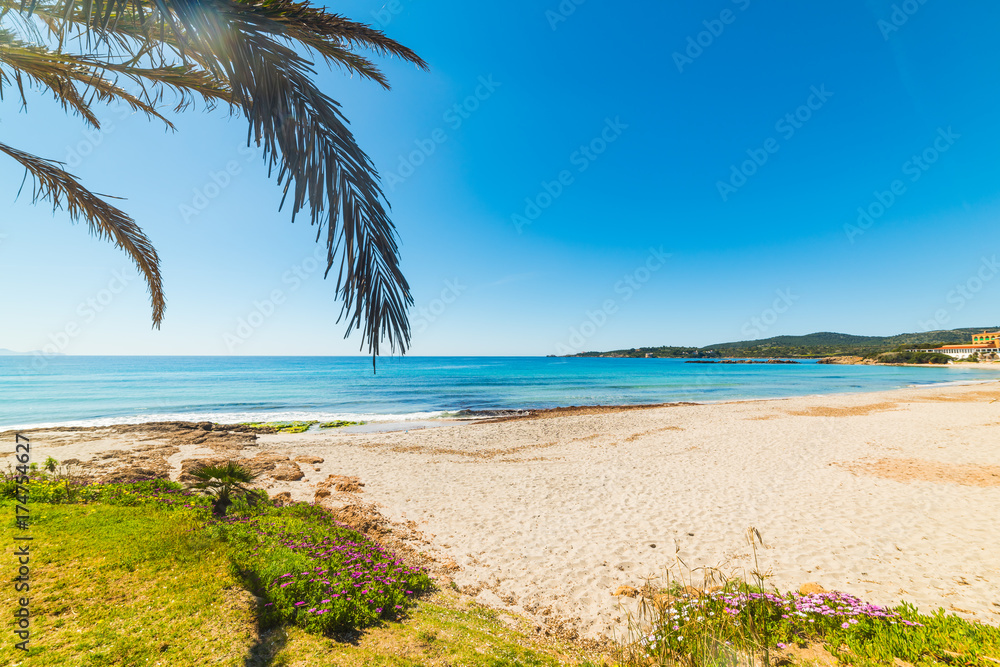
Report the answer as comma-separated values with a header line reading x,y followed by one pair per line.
x,y
110,390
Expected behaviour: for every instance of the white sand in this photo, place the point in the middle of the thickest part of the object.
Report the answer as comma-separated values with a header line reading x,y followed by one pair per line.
x,y
573,507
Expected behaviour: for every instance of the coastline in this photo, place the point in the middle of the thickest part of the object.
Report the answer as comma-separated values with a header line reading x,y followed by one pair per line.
x,y
223,390
545,515
459,417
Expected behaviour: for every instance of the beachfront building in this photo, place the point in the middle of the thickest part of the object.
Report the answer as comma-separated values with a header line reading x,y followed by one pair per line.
x,y
987,351
986,338
986,346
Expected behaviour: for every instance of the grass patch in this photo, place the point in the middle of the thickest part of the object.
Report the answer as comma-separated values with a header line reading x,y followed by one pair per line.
x,y
116,585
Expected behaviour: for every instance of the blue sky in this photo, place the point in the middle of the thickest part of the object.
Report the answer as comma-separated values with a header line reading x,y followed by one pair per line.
x,y
619,175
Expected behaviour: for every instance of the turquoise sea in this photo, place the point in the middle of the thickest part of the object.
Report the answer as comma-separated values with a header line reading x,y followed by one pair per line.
x,y
109,390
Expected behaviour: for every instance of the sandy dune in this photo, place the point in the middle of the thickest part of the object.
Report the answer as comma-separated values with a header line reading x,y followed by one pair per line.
x,y
888,496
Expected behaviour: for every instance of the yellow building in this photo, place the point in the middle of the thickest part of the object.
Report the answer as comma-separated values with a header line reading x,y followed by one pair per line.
x,y
986,338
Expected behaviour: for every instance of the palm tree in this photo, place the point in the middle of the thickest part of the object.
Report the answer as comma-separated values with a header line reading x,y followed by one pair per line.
x,y
251,57
224,482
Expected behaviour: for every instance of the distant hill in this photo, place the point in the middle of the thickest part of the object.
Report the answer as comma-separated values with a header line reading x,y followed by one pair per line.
x,y
4,352
820,344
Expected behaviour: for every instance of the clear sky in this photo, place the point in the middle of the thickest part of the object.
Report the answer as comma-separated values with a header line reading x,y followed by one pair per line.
x,y
615,175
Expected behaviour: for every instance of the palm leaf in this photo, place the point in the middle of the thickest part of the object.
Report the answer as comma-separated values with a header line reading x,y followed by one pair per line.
x,y
247,54
67,77
54,184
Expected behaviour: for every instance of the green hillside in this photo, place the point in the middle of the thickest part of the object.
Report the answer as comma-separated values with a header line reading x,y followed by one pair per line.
x,y
820,344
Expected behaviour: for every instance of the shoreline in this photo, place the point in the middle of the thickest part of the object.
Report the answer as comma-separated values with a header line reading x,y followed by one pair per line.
x,y
455,417
879,494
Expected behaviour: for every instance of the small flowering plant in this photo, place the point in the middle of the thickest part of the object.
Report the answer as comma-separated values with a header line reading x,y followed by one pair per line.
x,y
319,574
737,619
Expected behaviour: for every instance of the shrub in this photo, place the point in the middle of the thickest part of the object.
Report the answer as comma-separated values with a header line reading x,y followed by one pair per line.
x,y
911,357
316,573
225,482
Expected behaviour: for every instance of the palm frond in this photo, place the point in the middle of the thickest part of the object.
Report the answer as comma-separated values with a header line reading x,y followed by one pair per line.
x,y
61,74
247,54
54,184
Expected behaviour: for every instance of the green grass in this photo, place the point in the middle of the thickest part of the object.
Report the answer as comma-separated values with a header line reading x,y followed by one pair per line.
x,y
116,585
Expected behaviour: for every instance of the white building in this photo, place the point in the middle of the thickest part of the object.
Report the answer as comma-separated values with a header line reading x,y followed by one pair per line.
x,y
965,351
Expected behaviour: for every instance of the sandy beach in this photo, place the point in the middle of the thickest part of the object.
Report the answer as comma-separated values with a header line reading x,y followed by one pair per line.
x,y
889,496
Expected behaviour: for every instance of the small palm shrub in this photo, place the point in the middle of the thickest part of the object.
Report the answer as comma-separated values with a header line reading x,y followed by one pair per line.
x,y
224,482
